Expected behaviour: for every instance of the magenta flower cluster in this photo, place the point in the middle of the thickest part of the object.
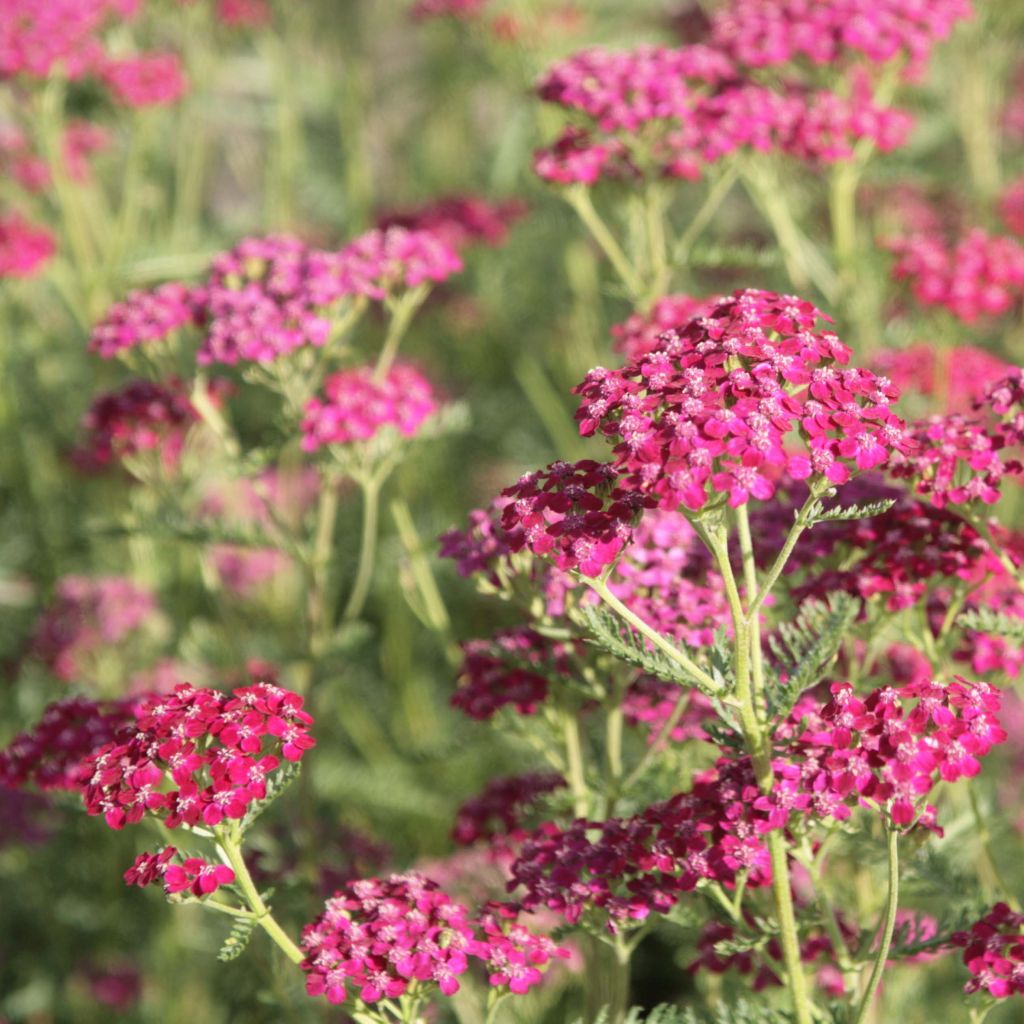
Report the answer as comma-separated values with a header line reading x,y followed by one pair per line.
x,y
994,953
573,513
197,756
379,938
726,399
269,296
459,221
356,407
767,33
670,111
194,875
981,275
24,248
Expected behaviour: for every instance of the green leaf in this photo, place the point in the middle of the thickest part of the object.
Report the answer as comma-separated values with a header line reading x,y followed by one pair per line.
x,y
842,514
985,620
277,782
234,945
613,636
741,1012
805,648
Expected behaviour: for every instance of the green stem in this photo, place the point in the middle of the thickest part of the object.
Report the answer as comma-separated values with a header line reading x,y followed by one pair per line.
x,y
888,926
232,851
658,745
702,218
753,621
367,549
574,762
320,619
654,220
579,199
402,312
699,676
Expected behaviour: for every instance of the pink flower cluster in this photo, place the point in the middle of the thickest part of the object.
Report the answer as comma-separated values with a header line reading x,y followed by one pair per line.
x,y
628,868
994,953
573,513
459,221
379,938
640,335
146,80
886,750
516,666
141,416
197,756
24,248
982,275
193,875
88,615
1005,399
385,261
36,38
269,296
954,459
669,111
724,400
764,33
356,407
952,379
496,814
51,755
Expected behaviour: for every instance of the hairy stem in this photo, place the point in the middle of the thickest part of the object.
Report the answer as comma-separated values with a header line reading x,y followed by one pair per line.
x,y
887,928
579,199
367,550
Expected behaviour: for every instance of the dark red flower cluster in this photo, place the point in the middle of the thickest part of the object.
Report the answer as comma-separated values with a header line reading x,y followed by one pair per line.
x,y
904,552
640,335
356,407
52,755
994,953
496,814
573,513
88,614
628,868
669,111
723,402
459,221
141,416
516,666
197,757
981,275
379,938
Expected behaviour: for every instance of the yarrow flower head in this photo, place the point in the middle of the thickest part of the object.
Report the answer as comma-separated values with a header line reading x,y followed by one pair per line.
x,y
640,335
721,406
379,938
356,407
459,221
198,756
147,317
89,615
51,756
994,953
496,814
142,416
145,80
574,513
764,33
24,248
193,875
979,276
385,261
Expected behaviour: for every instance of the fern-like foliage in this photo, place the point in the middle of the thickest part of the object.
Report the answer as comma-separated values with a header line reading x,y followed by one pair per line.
x,y
742,1012
806,647
277,783
843,514
234,945
986,620
609,633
